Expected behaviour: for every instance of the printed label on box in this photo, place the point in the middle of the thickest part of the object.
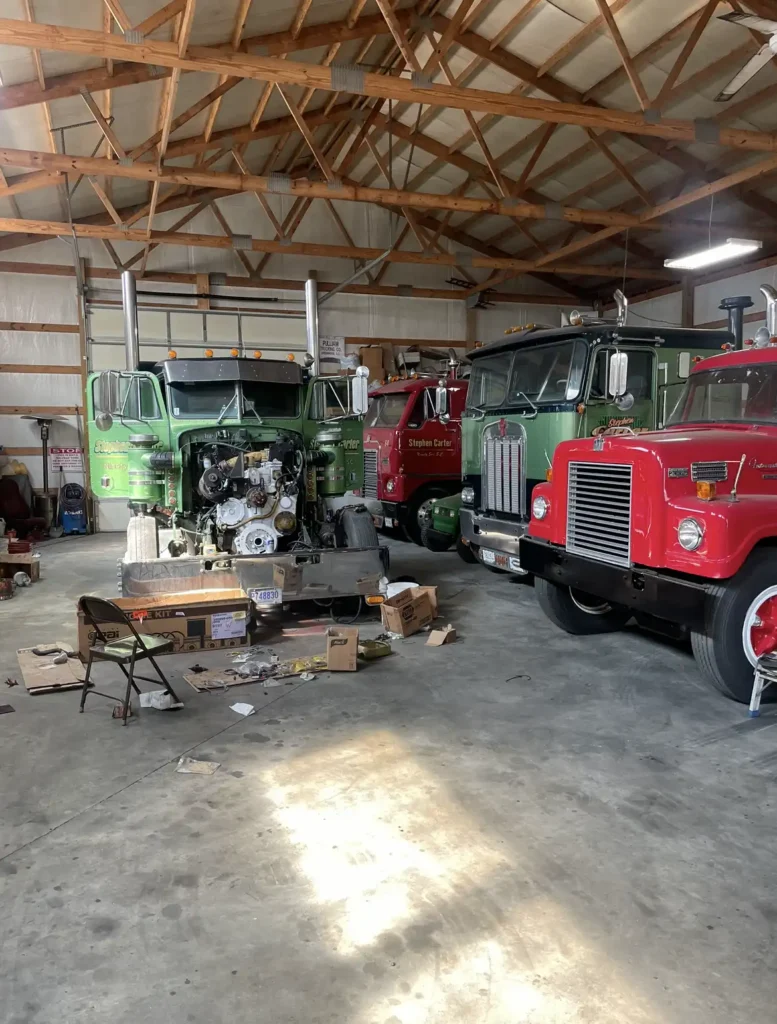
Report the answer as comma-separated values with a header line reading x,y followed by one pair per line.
x,y
225,625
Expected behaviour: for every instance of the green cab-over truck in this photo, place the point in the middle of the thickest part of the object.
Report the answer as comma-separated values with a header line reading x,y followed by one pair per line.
x,y
539,386
234,468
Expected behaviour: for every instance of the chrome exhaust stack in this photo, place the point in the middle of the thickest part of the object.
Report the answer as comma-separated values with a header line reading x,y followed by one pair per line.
x,y
311,324
129,302
622,306
735,306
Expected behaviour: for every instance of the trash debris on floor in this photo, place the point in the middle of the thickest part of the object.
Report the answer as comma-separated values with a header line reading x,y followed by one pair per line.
x,y
243,709
160,700
11,682
342,643
408,610
369,650
50,667
269,673
6,709
191,766
438,637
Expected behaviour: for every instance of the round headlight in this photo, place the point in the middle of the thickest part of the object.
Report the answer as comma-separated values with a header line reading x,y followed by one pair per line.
x,y
468,495
540,507
389,486
690,534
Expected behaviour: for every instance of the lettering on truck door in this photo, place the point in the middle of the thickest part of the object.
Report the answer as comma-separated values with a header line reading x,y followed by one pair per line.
x,y
429,444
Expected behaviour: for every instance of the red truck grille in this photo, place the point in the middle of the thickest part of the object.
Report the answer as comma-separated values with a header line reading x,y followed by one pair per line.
x,y
370,473
599,512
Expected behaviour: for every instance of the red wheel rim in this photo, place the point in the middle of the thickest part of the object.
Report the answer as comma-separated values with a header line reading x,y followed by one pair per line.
x,y
763,632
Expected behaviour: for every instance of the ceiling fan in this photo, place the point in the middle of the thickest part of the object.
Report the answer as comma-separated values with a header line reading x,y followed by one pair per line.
x,y
759,60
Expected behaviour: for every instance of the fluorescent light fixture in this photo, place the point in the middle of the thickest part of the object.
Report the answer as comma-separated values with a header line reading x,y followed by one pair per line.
x,y
729,250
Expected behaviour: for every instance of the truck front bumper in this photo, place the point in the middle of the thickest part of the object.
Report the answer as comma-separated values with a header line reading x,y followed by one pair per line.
x,y
325,573
392,513
497,540
643,590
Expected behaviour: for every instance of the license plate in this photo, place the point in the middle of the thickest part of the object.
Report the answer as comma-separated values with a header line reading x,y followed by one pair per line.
x,y
494,558
378,521
269,595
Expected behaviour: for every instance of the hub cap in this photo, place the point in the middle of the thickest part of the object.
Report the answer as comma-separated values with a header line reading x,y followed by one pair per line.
x,y
425,513
588,603
759,632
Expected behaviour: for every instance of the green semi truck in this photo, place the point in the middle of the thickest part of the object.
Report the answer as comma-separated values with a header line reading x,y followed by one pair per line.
x,y
539,386
238,473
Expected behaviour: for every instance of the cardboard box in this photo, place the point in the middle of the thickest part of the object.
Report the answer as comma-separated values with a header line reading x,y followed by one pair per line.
x,y
203,620
443,635
372,358
409,611
287,577
25,562
342,644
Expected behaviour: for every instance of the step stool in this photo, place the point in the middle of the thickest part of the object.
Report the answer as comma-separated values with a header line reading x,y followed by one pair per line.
x,y
765,675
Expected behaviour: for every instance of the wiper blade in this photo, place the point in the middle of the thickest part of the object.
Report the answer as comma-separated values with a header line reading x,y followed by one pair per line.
x,y
251,407
226,409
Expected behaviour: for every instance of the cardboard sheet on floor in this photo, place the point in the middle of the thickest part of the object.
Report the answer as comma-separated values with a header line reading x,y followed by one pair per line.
x,y
41,675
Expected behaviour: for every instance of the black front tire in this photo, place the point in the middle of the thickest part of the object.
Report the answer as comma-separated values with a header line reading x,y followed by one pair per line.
x,y
435,541
719,651
465,552
578,613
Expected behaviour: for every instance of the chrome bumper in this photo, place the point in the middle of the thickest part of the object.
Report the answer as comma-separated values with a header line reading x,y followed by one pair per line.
x,y
488,532
325,573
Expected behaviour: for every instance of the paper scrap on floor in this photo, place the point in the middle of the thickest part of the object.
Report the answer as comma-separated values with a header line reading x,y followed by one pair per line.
x,y
243,709
191,766
160,700
443,635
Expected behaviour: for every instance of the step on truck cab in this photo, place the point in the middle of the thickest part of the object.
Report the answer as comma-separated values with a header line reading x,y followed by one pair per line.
x,y
412,449
539,386
679,524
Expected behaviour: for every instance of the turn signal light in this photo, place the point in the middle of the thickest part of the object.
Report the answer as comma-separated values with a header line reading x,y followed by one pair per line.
x,y
705,490
374,599
208,353
549,474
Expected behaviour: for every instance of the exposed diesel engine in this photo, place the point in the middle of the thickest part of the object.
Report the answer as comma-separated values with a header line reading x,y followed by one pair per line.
x,y
248,501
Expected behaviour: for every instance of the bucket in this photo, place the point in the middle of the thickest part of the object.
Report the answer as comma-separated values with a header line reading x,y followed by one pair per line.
x,y
6,590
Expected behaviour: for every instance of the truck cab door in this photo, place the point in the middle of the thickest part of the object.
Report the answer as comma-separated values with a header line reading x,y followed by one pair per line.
x,y
429,445
120,404
636,410
329,402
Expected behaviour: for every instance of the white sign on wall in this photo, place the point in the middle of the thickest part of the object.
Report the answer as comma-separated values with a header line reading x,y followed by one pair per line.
x,y
67,458
331,351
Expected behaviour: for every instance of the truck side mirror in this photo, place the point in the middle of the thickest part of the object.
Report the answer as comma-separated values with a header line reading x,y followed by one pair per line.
x,y
441,402
619,373
683,365
107,395
359,396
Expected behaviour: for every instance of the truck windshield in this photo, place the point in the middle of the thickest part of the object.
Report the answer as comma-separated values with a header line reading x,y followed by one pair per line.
x,y
271,400
488,381
386,410
203,399
547,374
731,394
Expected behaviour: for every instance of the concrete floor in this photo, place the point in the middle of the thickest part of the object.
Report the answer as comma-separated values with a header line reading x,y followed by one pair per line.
x,y
522,827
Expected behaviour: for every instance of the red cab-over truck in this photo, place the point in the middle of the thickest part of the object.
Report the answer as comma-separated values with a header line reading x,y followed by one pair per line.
x,y
412,455
679,524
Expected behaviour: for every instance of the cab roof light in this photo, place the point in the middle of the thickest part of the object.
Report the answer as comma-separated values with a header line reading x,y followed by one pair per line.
x,y
172,354
257,354
208,353
234,352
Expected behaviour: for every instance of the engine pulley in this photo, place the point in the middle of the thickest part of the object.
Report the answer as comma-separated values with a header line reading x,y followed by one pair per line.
x,y
255,539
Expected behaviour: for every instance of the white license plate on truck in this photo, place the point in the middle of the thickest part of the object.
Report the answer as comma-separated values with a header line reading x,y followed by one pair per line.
x,y
266,595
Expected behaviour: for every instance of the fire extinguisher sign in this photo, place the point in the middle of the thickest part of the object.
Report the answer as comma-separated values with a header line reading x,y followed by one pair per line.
x,y
67,458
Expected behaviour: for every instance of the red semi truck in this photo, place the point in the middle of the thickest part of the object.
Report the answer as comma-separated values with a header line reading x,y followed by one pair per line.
x,y
680,524
412,455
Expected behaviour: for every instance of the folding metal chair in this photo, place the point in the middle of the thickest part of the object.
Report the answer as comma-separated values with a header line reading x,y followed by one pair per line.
x,y
124,652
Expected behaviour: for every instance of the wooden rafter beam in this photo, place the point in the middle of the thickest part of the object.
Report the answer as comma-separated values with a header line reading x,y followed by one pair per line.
x,y
161,17
620,45
119,14
185,32
102,124
397,32
304,188
310,249
59,38
690,45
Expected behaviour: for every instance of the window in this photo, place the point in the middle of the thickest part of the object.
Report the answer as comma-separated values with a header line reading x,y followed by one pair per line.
x,y
270,400
203,400
548,374
131,397
330,399
488,381
423,408
639,382
386,410
730,394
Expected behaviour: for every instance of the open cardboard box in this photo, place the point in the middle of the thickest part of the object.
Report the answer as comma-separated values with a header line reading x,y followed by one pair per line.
x,y
410,610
